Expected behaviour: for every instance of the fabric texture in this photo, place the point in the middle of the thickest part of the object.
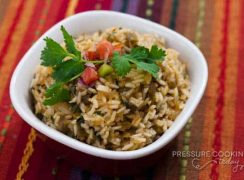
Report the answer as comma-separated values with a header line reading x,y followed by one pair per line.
x,y
216,27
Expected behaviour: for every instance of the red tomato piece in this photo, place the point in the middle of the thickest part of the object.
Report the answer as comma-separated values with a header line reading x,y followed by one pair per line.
x,y
104,49
89,75
90,55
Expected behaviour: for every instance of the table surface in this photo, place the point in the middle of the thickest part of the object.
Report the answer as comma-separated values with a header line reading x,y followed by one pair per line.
x,y
217,127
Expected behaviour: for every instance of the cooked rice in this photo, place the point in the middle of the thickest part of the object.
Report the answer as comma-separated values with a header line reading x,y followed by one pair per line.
x,y
118,113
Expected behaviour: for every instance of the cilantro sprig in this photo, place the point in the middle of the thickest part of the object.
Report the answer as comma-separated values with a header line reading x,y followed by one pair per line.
x,y
141,57
67,65
56,93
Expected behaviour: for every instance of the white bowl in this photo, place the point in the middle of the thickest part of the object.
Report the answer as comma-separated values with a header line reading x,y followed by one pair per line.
x,y
89,22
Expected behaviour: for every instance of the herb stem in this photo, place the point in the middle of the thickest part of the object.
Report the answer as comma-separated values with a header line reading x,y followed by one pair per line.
x,y
96,62
73,56
83,60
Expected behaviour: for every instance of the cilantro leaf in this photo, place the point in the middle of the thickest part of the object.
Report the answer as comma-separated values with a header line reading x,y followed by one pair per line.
x,y
56,93
139,53
69,43
156,53
149,67
53,54
141,57
121,64
68,70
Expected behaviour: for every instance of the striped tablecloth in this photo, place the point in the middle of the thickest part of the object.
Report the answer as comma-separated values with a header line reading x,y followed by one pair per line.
x,y
216,129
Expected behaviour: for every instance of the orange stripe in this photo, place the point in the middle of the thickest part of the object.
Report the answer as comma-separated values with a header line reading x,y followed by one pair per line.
x,y
213,64
15,45
71,8
191,22
165,15
228,124
7,21
3,7
184,25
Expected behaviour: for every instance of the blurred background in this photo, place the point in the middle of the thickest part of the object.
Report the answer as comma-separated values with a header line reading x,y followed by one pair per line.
x,y
216,27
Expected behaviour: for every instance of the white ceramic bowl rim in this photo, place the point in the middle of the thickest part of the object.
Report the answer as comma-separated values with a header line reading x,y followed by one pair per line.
x,y
85,148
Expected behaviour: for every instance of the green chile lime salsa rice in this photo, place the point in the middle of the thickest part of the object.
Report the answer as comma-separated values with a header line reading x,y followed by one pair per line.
x,y
115,89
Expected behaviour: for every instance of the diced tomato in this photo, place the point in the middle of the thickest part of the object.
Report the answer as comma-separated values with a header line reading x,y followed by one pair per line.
x,y
104,49
90,55
89,75
118,48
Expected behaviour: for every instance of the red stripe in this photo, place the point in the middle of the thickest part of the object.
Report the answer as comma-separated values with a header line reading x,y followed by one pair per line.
x,y
25,44
28,40
5,123
62,10
1,139
10,145
84,5
41,162
64,169
7,41
221,92
157,10
239,123
14,130
47,164
56,14
6,99
12,160
106,5
142,8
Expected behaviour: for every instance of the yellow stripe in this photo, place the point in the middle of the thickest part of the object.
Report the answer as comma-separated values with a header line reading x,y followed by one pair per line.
x,y
200,22
187,131
27,154
71,8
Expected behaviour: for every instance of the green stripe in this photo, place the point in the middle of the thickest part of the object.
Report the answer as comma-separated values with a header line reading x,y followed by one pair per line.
x,y
200,23
187,130
173,14
8,118
3,132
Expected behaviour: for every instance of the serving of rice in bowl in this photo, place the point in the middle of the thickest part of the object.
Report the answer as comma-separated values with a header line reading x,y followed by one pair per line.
x,y
109,92
115,89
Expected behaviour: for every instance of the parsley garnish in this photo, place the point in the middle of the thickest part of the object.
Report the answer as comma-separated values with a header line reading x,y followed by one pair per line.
x,y
141,57
67,65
